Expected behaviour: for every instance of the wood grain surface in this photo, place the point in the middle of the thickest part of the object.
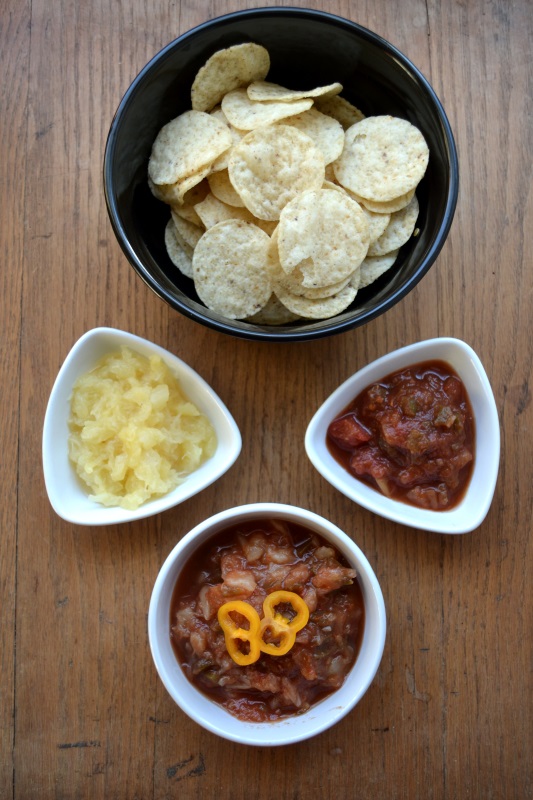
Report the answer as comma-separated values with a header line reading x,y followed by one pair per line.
x,y
82,711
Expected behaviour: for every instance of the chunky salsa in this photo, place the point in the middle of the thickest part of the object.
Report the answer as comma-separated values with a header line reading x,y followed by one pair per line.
x,y
410,435
250,562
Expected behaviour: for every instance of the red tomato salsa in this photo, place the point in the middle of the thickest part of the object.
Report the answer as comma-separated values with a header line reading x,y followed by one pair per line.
x,y
247,562
411,436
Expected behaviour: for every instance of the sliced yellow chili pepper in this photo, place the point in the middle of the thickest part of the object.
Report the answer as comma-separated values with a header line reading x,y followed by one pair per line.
x,y
233,633
281,632
283,629
298,604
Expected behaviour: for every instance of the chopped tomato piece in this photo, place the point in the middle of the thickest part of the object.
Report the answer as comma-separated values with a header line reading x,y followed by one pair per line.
x,y
347,432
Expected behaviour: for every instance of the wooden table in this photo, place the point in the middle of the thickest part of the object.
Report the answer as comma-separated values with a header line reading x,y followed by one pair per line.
x,y
82,711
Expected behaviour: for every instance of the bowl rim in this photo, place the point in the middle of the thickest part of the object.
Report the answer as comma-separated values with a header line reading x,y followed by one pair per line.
x,y
313,329
469,513
212,717
62,479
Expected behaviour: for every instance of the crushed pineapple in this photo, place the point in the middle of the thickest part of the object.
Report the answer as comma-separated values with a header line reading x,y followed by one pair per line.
x,y
134,435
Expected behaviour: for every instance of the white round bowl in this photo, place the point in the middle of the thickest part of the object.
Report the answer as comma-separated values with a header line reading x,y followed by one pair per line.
x,y
69,499
214,717
473,508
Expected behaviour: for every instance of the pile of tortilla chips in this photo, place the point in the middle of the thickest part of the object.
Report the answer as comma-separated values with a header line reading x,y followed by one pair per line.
x,y
284,203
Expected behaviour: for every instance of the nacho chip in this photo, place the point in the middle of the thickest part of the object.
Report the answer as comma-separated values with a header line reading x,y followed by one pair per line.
x,y
193,196
271,165
398,231
185,145
325,131
247,115
211,211
325,233
319,309
383,158
187,234
175,251
264,90
230,269
181,189
226,70
274,313
340,109
377,224
176,194
187,213
223,189
389,207
373,267
222,161
196,193
293,282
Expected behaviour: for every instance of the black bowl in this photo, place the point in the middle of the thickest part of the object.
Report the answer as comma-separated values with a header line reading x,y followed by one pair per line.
x,y
307,48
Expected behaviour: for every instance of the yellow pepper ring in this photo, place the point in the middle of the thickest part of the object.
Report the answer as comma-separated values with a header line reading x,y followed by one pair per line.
x,y
283,629
298,604
233,633
281,632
